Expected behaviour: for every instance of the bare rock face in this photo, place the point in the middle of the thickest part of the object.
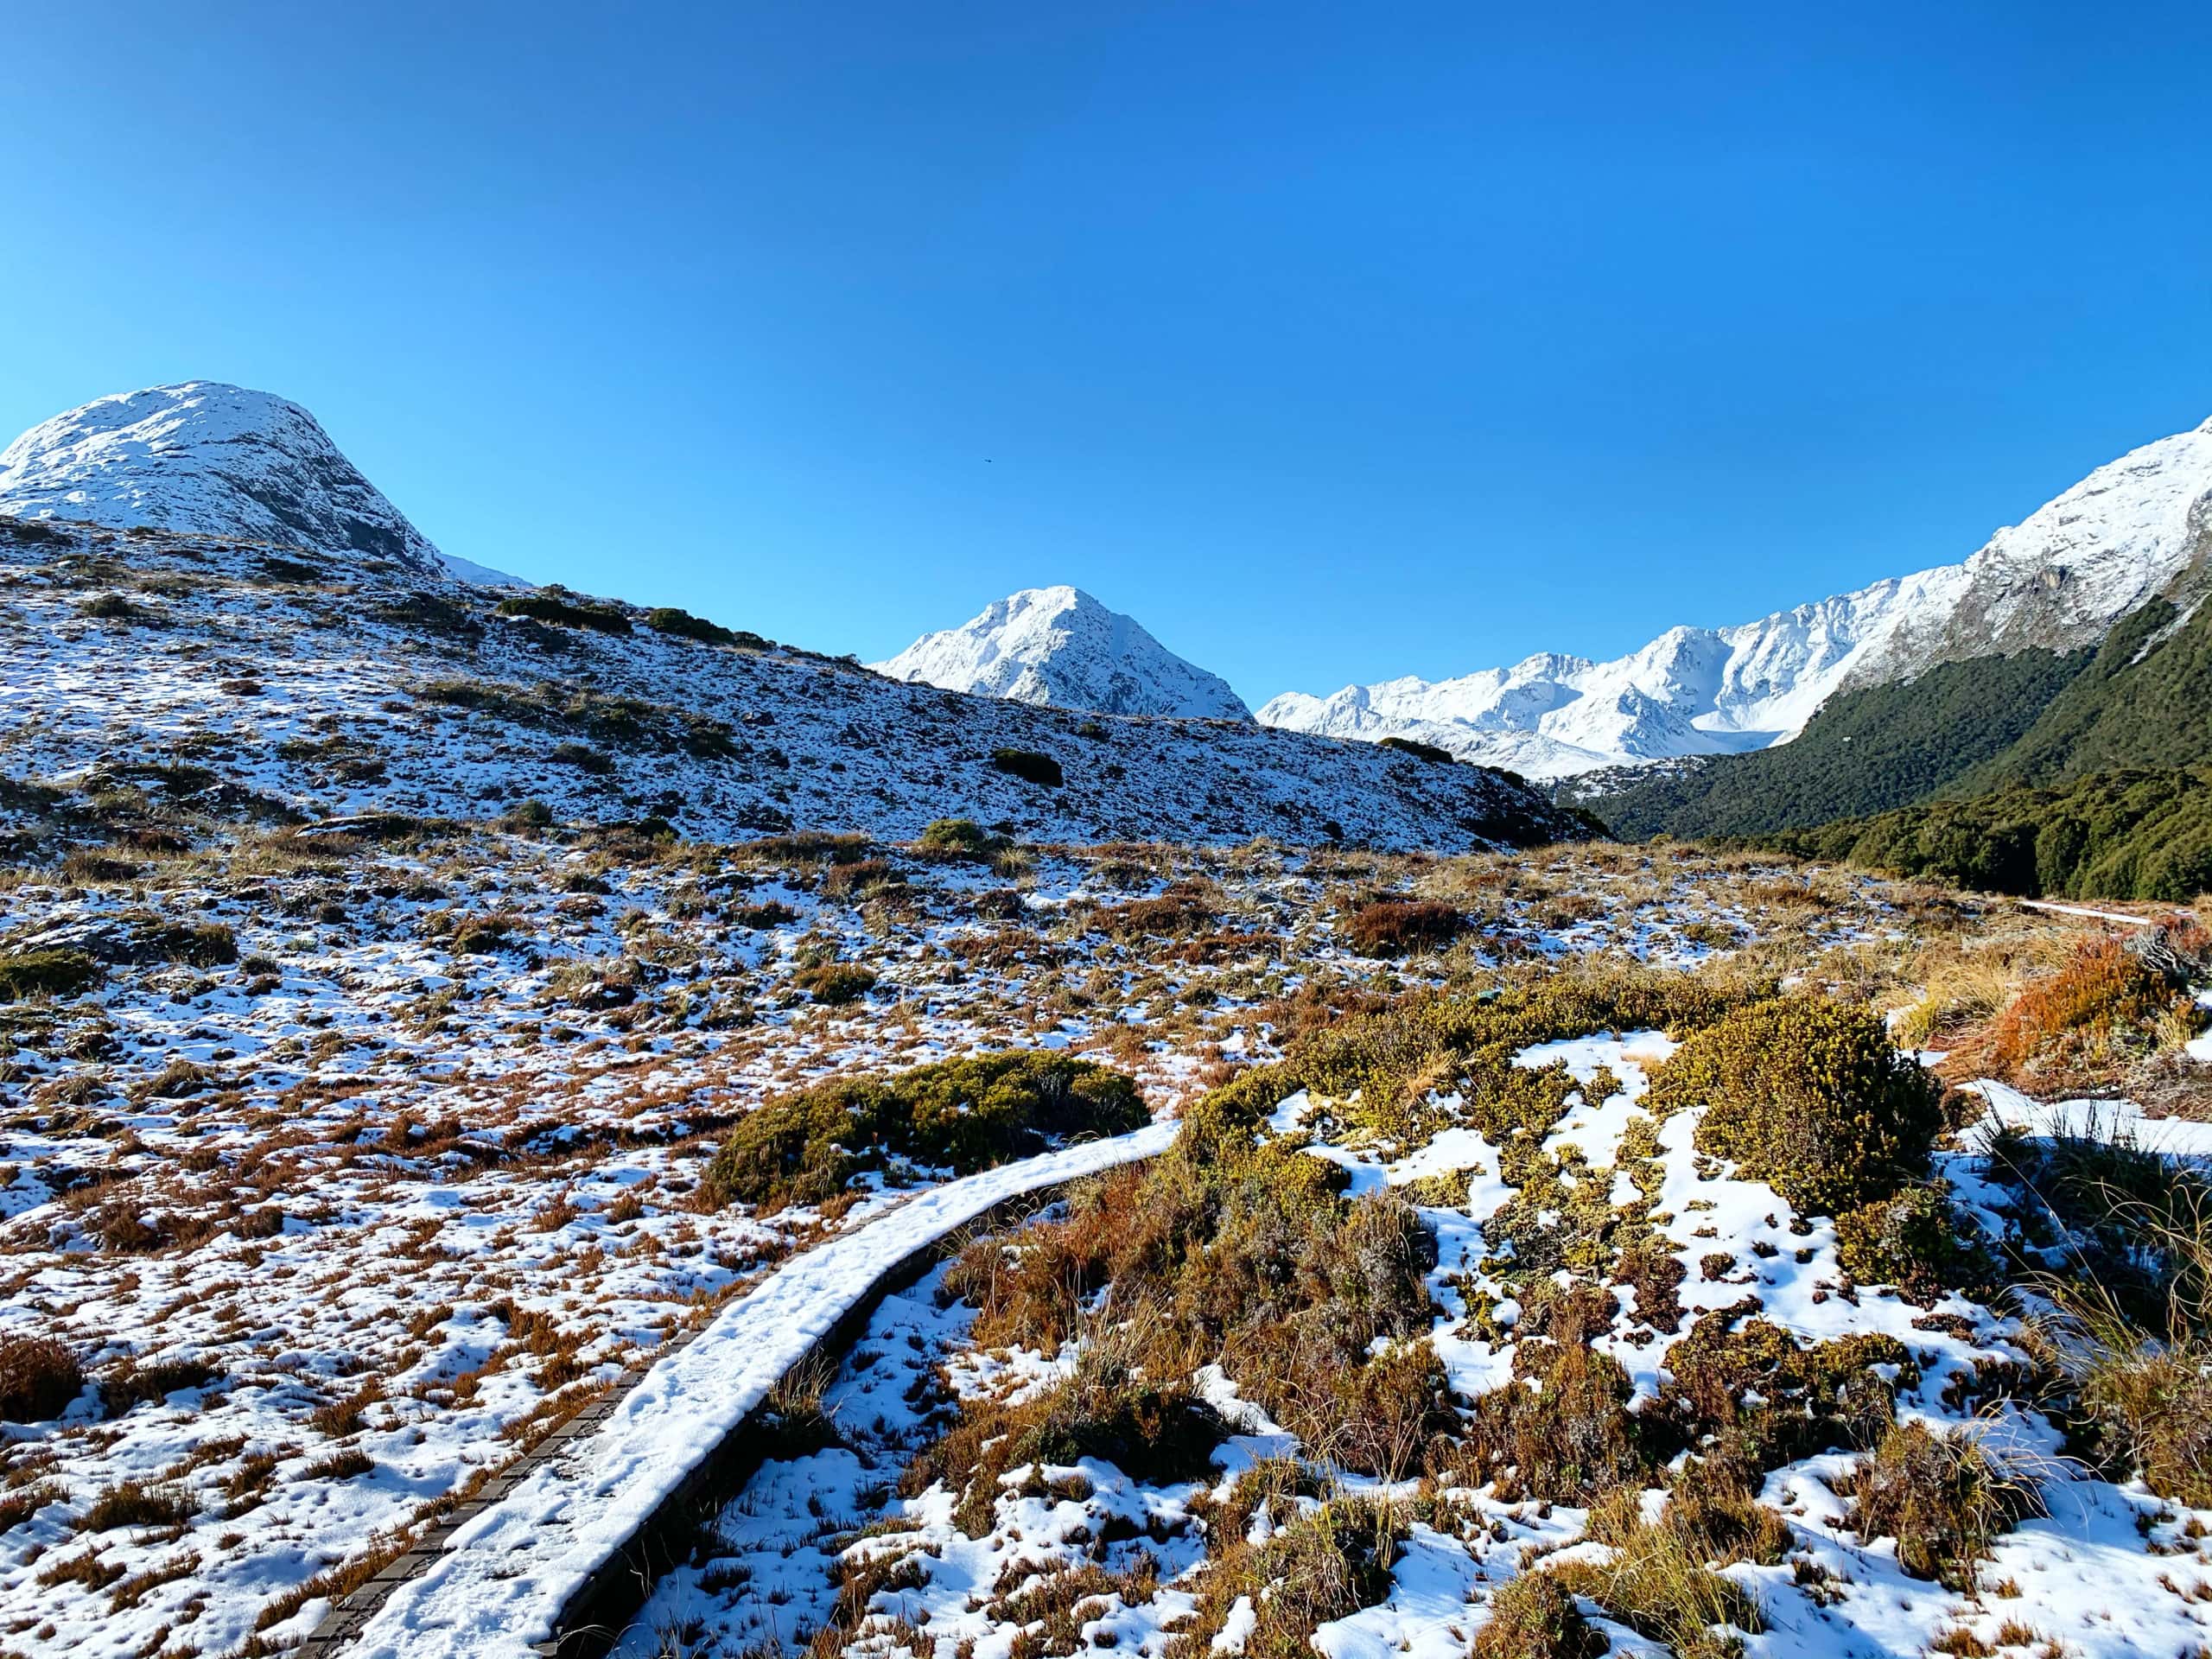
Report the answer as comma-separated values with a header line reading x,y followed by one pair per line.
x,y
207,459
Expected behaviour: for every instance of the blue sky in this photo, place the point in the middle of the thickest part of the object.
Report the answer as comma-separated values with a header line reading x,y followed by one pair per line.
x,y
1333,342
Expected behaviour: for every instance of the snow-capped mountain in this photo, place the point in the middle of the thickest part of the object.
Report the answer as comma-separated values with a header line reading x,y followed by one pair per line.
x,y
1059,645
2058,579
207,459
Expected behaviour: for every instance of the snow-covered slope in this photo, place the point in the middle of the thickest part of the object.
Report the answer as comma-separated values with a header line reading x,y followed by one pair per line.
x,y
212,460
377,689
1059,645
2058,579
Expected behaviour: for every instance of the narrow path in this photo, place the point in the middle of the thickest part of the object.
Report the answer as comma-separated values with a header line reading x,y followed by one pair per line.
x,y
499,1589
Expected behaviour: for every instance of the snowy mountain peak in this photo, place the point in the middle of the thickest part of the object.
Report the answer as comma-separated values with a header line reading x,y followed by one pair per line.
x,y
1059,645
204,458
2056,581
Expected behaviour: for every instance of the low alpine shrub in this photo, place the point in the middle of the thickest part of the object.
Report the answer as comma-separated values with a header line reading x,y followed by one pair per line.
x,y
963,1116
1029,765
1808,1096
1392,927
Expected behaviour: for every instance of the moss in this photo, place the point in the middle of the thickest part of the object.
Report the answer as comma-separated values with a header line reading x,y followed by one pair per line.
x,y
46,973
1808,1096
964,1114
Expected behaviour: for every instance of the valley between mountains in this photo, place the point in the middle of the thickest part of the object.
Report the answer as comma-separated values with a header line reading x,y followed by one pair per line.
x,y
437,1009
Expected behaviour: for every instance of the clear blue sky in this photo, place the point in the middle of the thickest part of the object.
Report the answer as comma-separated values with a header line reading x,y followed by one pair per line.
x,y
1332,341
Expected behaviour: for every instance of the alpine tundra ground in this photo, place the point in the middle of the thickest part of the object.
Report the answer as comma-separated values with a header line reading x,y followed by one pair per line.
x,y
340,1162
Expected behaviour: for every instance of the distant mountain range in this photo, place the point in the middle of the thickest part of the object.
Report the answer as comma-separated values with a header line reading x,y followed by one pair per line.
x,y
2064,642
1059,645
2057,582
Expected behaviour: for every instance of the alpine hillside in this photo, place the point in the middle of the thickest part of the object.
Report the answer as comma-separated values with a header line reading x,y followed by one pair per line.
x,y
2057,582
1059,645
349,673
206,459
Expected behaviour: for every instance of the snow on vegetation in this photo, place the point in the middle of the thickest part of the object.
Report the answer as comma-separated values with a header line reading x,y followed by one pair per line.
x,y
1640,1396
342,1163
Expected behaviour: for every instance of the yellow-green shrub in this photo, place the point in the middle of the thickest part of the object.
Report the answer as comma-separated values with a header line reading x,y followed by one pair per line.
x,y
964,1115
1808,1096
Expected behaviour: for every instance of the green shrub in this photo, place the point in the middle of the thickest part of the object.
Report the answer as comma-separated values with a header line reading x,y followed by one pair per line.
x,y
46,973
964,1115
549,606
1533,1616
39,1377
1808,1096
1029,765
1942,1497
667,619
959,838
1751,1399
1917,1241
833,984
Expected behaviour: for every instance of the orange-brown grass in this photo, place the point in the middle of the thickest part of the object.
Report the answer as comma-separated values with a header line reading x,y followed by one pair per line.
x,y
2098,1012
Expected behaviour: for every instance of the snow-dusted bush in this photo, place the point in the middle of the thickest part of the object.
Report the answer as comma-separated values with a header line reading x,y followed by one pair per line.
x,y
1808,1096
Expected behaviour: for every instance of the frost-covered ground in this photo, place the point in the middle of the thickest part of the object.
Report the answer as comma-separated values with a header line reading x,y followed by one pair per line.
x,y
1081,1556
366,1160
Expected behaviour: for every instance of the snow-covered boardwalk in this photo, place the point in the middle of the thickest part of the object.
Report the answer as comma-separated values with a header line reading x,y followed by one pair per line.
x,y
507,1576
